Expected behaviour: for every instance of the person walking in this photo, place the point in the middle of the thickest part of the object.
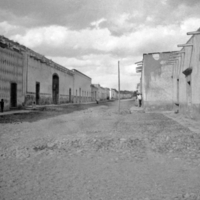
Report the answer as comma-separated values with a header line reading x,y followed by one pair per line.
x,y
140,100
2,105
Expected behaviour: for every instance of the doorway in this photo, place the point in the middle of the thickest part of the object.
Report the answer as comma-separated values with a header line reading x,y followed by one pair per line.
x,y
13,95
37,96
55,89
79,95
70,94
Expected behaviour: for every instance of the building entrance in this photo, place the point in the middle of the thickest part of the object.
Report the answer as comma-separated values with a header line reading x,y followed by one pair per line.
x,y
37,97
13,95
55,89
70,94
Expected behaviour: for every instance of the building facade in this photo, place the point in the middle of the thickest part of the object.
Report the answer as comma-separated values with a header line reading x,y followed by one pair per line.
x,y
157,93
47,82
28,78
170,80
186,76
12,87
82,87
113,93
94,92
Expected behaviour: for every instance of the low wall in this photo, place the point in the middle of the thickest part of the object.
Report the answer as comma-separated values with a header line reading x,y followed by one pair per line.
x,y
158,106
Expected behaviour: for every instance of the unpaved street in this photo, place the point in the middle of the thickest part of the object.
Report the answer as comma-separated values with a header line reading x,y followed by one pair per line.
x,y
92,152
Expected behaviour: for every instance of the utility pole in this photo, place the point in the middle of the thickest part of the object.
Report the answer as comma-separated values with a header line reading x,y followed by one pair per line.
x,y
118,87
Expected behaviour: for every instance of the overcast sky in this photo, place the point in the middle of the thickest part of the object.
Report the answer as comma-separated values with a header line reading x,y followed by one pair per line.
x,y
92,35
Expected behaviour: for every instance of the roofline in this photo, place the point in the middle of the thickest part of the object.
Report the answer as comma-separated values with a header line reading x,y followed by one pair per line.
x,y
159,52
30,52
75,70
92,85
192,36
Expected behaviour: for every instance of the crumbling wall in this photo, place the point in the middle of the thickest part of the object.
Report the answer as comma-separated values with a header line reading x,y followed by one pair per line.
x,y
157,82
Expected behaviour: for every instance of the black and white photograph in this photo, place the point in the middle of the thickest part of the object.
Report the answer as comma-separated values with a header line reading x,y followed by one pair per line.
x,y
99,99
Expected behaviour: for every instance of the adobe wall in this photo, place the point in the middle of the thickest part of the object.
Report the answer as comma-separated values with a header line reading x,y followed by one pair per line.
x,y
11,71
94,93
157,82
82,88
43,74
190,94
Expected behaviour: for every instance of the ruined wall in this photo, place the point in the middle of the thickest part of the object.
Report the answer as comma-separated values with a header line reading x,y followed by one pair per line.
x,y
11,71
157,83
42,73
189,88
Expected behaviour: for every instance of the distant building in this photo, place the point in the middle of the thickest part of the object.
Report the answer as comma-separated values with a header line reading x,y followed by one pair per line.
x,y
107,93
126,94
113,93
94,92
103,93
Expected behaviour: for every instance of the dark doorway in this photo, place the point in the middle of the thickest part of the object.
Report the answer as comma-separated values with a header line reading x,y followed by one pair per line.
x,y
55,89
13,95
37,97
70,94
79,95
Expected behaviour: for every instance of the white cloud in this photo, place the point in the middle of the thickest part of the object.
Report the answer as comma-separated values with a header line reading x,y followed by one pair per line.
x,y
145,38
97,23
190,24
7,27
51,36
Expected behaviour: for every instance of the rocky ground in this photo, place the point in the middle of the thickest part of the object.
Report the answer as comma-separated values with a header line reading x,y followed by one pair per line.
x,y
92,152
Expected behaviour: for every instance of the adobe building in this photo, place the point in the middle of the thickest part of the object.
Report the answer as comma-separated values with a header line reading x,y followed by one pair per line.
x,y
12,86
157,93
94,92
107,90
28,78
186,76
46,81
126,94
103,93
82,87
113,93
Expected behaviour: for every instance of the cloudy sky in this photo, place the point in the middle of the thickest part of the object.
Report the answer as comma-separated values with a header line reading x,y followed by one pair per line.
x,y
92,35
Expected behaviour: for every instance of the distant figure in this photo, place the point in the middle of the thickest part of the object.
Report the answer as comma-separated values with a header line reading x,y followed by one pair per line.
x,y
140,100
2,105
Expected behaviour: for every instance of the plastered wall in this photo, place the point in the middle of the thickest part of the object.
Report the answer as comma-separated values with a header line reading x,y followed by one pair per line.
x,y
157,85
11,71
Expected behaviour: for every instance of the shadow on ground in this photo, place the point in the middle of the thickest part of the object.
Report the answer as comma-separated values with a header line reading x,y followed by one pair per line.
x,y
46,112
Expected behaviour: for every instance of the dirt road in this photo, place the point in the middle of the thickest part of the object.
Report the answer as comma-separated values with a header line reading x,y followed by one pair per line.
x,y
92,152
